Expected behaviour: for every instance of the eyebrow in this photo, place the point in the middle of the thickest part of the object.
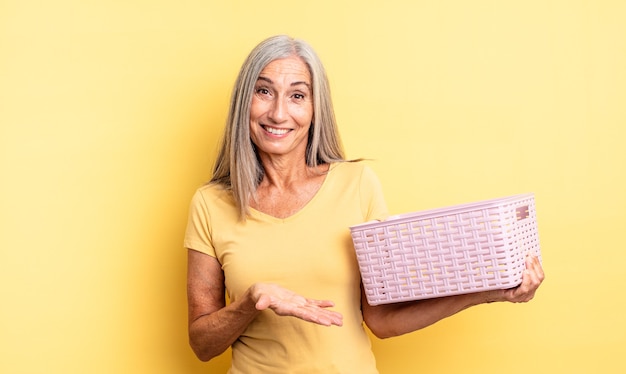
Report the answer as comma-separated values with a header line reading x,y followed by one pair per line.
x,y
297,83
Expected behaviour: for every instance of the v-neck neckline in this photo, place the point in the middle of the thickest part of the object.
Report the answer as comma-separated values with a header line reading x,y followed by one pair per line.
x,y
268,217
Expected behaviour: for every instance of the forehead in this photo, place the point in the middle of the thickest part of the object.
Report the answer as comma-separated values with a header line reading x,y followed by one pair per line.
x,y
289,68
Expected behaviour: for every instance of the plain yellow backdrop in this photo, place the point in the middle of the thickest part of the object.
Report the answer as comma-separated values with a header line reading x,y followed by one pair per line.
x,y
110,113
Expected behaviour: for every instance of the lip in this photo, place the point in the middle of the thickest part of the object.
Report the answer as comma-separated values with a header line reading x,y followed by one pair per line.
x,y
276,131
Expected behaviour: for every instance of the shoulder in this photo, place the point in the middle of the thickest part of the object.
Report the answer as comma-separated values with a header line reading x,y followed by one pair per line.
x,y
358,180
212,190
214,196
353,170
349,167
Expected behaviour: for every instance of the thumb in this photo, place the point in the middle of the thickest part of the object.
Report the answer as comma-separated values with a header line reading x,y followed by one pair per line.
x,y
263,302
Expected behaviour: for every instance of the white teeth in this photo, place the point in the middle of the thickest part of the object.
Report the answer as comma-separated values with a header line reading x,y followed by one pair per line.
x,y
276,131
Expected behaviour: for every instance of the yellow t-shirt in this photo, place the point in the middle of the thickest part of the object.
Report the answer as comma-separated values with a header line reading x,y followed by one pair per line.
x,y
311,253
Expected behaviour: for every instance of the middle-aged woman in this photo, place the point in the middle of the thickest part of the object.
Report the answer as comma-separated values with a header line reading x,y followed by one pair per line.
x,y
271,230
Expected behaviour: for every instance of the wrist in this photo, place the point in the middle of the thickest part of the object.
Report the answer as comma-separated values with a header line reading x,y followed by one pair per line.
x,y
492,296
251,297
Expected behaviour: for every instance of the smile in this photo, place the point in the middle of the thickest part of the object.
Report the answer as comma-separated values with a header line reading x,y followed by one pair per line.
x,y
275,131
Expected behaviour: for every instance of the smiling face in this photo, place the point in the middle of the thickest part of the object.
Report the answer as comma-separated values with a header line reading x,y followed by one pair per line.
x,y
281,111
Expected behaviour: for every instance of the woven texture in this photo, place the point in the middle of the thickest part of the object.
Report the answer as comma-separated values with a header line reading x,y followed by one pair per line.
x,y
462,249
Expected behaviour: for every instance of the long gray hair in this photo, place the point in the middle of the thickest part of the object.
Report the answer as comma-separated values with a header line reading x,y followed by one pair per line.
x,y
237,167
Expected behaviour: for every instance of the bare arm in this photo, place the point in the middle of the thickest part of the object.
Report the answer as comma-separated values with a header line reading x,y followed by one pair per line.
x,y
214,326
396,319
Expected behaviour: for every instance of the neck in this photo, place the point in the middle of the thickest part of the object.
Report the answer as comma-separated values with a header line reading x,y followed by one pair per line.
x,y
284,171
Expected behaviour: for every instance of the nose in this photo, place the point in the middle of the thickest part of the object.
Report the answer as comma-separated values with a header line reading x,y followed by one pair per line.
x,y
278,110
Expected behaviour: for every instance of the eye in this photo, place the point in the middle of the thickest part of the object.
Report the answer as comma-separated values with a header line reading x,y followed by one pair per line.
x,y
298,96
262,91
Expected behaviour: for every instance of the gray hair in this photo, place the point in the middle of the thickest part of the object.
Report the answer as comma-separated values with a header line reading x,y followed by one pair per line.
x,y
238,167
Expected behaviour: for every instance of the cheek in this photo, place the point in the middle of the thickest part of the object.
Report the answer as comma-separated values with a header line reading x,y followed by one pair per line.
x,y
305,116
255,110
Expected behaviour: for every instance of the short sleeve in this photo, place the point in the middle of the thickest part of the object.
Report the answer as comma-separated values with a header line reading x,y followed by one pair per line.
x,y
198,232
373,202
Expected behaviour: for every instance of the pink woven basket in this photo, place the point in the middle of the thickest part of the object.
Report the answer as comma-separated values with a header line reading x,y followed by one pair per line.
x,y
448,251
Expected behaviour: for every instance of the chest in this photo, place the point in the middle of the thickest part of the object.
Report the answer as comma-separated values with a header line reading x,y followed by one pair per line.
x,y
294,256
286,201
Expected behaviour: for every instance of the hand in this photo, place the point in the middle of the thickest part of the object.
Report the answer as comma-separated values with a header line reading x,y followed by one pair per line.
x,y
532,278
287,303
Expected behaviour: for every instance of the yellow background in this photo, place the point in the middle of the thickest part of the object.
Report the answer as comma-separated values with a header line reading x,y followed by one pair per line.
x,y
110,113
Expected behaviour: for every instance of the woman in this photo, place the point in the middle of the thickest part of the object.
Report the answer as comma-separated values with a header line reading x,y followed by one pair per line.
x,y
271,229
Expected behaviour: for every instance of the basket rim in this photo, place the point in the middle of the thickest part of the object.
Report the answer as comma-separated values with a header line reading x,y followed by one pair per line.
x,y
430,213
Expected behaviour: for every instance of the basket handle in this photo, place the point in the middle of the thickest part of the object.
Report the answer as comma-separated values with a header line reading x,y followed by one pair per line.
x,y
522,212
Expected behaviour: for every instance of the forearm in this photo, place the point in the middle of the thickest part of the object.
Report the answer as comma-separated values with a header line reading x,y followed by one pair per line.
x,y
211,334
397,319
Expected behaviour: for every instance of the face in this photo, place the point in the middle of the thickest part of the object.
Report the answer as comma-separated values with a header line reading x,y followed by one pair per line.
x,y
282,109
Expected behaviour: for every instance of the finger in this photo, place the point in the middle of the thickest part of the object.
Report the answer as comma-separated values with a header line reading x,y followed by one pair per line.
x,y
263,303
526,290
323,317
534,270
335,318
307,310
321,303
536,274
530,279
534,263
529,286
538,268
329,317
315,311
